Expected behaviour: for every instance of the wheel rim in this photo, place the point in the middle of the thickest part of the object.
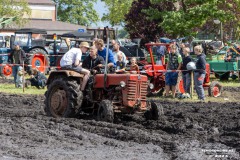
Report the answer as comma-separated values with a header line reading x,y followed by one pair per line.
x,y
40,62
216,91
58,102
7,70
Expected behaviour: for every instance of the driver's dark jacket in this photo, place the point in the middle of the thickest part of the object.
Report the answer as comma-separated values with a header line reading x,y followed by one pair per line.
x,y
17,56
90,63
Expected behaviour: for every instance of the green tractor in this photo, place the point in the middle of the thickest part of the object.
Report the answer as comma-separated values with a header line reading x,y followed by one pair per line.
x,y
226,63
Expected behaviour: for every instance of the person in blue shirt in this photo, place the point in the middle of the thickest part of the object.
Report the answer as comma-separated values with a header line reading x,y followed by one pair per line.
x,y
102,51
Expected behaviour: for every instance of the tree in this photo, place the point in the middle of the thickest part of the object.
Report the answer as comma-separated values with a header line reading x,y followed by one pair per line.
x,y
13,11
139,25
190,16
79,12
117,10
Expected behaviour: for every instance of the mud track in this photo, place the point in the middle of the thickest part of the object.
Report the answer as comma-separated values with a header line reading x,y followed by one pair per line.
x,y
186,131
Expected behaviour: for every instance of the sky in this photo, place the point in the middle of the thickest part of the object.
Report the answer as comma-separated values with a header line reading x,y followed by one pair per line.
x,y
100,8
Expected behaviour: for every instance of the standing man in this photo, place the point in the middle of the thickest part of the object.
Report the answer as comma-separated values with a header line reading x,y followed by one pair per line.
x,y
174,63
102,51
200,72
116,51
72,61
16,57
186,75
93,61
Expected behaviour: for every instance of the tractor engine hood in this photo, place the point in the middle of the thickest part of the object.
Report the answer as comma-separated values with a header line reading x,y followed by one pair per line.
x,y
115,79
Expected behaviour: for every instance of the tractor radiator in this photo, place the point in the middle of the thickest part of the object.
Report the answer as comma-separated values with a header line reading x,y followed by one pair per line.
x,y
137,90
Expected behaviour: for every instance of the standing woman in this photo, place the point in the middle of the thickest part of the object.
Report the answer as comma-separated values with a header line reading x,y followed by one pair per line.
x,y
200,72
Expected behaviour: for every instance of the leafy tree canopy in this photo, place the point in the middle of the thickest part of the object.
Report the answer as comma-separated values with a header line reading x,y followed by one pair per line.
x,y
13,11
139,25
187,17
117,10
79,12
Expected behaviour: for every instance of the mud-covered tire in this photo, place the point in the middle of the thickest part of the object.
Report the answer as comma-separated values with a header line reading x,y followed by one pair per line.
x,y
105,111
215,89
6,70
155,112
38,58
63,98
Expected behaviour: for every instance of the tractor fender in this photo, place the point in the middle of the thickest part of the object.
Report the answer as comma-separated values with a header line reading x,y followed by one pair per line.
x,y
64,73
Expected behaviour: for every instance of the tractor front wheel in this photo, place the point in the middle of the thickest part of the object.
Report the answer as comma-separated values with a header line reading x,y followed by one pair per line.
x,y
105,111
63,98
215,89
155,112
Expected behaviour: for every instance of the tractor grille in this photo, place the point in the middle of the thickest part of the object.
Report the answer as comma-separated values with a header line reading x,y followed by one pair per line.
x,y
137,90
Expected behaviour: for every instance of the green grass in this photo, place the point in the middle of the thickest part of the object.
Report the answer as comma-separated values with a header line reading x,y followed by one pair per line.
x,y
10,88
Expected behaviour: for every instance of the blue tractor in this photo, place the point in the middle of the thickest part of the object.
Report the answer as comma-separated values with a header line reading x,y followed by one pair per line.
x,y
33,42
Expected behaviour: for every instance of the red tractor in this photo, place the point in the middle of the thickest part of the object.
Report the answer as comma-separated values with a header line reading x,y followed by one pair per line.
x,y
156,76
106,94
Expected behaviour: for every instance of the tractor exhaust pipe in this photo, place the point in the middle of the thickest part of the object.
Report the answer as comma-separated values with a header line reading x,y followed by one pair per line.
x,y
106,62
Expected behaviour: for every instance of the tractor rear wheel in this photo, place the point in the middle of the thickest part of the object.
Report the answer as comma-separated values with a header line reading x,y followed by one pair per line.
x,y
6,70
38,58
155,112
214,89
63,98
105,111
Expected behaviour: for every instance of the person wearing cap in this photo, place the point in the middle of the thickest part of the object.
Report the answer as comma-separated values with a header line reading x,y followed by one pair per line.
x,y
102,51
72,61
16,57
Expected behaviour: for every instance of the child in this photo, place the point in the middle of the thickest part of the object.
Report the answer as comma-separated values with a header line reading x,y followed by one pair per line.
x,y
19,79
38,79
134,69
120,64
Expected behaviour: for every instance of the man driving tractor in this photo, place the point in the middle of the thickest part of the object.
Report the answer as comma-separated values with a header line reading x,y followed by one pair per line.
x,y
72,61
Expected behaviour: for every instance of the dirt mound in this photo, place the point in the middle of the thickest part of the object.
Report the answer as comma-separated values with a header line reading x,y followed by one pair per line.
x,y
185,131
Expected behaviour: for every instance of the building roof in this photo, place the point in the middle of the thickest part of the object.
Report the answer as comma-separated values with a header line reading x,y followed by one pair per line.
x,y
51,27
41,2
76,34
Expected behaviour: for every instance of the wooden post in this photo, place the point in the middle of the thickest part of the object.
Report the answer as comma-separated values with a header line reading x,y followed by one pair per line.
x,y
192,81
23,77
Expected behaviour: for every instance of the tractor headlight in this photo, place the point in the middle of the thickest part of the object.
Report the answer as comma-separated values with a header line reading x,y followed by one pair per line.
x,y
151,86
122,84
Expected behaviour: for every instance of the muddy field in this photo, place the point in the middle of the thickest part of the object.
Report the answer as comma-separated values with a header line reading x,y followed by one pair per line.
x,y
186,131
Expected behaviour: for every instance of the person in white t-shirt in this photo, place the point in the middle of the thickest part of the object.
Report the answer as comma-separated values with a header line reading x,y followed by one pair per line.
x,y
72,61
116,51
